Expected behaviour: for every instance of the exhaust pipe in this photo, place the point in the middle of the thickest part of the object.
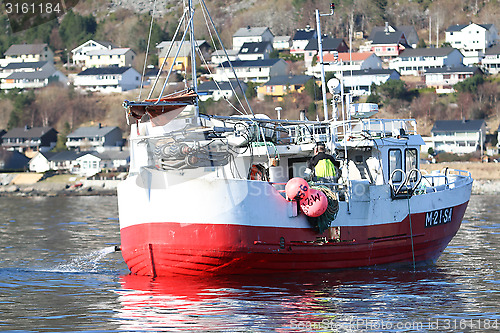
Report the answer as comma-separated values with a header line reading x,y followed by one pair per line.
x,y
118,248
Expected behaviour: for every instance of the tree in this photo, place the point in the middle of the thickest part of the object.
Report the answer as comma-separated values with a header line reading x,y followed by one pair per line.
x,y
76,29
313,90
251,91
470,84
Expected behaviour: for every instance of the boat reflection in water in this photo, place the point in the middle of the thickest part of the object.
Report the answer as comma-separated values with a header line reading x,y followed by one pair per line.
x,y
333,300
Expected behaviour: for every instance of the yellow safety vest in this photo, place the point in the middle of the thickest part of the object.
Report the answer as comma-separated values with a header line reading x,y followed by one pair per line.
x,y
324,168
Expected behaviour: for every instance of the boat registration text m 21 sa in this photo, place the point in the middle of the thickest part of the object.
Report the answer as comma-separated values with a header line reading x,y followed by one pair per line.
x,y
438,217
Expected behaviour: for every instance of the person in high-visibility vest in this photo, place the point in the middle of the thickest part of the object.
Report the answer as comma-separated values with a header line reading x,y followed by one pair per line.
x,y
323,165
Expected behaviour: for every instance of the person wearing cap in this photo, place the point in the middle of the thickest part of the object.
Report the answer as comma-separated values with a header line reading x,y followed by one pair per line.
x,y
322,165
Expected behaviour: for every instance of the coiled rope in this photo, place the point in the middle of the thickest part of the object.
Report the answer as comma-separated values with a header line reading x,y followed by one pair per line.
x,y
323,222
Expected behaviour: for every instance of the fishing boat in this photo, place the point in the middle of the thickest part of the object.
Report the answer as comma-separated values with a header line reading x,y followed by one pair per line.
x,y
211,194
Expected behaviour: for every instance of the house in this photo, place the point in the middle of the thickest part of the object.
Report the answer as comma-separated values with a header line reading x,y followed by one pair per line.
x,y
79,163
117,57
26,139
219,56
359,82
29,53
387,45
345,61
281,85
12,160
251,34
417,61
217,90
282,42
251,70
491,60
28,75
458,136
472,40
444,78
409,31
79,53
301,38
255,50
108,79
329,45
183,52
115,160
97,138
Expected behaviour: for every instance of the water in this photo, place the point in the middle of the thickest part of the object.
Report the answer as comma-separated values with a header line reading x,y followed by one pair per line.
x,y
58,273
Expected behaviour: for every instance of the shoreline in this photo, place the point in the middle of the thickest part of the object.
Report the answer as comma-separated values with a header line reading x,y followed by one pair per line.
x,y
108,188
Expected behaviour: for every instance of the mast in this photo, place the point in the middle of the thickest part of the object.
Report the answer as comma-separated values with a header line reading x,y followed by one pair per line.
x,y
193,54
320,50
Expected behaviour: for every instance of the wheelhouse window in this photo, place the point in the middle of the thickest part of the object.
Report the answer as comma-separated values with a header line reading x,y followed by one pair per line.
x,y
395,162
411,161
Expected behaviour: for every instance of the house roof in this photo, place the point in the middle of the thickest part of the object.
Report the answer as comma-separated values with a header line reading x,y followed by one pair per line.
x,y
387,38
19,49
25,64
372,71
69,155
91,132
40,75
345,56
250,31
457,125
252,63
329,44
304,34
459,69
456,27
494,50
28,132
288,80
427,52
115,51
13,160
255,47
104,70
105,44
185,47
460,27
208,86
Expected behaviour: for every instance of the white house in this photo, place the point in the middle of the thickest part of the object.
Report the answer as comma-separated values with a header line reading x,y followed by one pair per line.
x,y
217,90
40,162
251,70
301,38
282,42
416,61
119,57
255,51
79,53
491,60
219,56
346,61
359,82
443,79
84,164
458,136
472,40
251,34
108,79
97,138
30,75
29,52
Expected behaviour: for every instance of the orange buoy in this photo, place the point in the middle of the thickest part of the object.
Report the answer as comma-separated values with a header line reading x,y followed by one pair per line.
x,y
296,189
315,204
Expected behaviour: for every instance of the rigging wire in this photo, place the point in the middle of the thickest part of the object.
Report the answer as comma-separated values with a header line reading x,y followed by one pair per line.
x,y
147,49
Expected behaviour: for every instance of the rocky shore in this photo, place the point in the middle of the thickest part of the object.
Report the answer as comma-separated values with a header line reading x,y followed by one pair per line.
x,y
84,188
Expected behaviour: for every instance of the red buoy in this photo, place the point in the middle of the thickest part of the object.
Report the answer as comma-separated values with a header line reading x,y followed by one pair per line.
x,y
296,188
315,204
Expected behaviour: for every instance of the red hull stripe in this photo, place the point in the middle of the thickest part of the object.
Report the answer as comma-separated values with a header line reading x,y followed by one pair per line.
x,y
166,248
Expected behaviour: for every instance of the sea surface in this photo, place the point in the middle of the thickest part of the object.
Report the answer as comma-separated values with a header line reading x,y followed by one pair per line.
x,y
59,273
